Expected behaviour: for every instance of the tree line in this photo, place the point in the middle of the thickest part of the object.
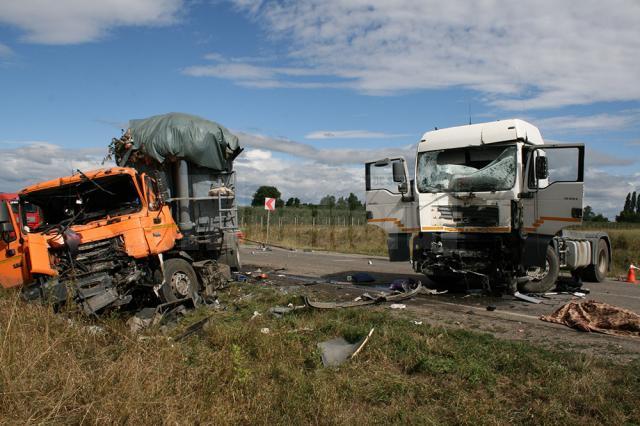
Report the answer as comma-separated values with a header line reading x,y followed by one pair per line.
x,y
631,210
330,202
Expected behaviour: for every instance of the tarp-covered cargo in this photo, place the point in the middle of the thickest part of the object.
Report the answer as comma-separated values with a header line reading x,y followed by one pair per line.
x,y
179,136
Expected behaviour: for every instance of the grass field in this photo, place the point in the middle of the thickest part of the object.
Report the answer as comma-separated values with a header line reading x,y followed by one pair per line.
x,y
52,371
371,240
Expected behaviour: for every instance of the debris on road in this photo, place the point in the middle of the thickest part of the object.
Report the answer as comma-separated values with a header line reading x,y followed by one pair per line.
x,y
366,299
336,351
526,298
598,317
398,306
491,308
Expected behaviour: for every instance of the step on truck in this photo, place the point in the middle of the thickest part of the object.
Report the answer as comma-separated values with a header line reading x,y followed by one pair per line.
x,y
487,208
153,229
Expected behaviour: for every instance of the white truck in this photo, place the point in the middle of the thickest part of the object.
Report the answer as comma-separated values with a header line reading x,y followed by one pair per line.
x,y
487,208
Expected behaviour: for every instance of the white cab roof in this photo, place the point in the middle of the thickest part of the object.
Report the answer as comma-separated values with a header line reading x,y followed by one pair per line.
x,y
480,134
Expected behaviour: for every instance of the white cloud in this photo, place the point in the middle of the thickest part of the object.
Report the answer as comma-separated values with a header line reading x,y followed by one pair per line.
x,y
527,54
352,134
34,162
79,21
589,123
338,156
606,192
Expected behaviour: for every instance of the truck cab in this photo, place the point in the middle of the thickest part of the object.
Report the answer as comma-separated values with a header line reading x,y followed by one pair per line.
x,y
487,204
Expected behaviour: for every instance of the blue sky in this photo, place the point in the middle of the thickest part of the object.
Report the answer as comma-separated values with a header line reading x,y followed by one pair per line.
x,y
315,88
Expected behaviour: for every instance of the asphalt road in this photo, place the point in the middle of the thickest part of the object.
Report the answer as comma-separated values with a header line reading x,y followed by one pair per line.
x,y
512,318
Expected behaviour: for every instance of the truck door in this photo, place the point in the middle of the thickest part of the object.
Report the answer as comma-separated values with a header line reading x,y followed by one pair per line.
x,y
10,248
555,178
390,204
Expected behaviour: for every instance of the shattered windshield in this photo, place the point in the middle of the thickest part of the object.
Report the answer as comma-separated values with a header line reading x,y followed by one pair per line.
x,y
467,169
85,201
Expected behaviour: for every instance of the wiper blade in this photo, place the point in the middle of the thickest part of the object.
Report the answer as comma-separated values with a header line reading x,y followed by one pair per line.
x,y
95,183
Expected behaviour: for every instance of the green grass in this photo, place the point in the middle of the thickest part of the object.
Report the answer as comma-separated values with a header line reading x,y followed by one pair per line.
x,y
52,372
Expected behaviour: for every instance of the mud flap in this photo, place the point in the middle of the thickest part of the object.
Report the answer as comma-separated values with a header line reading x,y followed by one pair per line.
x,y
535,250
398,245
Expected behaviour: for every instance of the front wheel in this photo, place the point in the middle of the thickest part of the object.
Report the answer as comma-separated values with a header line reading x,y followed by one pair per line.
x,y
542,279
180,280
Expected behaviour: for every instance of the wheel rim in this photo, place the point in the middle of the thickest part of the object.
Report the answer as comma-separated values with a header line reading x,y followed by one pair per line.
x,y
537,273
181,284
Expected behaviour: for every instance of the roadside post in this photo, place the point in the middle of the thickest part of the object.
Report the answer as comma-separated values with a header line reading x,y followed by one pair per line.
x,y
269,205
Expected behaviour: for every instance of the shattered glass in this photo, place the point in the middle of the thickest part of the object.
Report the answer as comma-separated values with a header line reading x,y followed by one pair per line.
x,y
467,169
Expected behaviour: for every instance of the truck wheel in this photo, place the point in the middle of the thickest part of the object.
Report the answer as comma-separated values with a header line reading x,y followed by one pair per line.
x,y
180,280
542,279
597,272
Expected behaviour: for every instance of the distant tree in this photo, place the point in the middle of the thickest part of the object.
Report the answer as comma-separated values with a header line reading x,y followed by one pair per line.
x,y
266,192
588,215
342,204
632,205
328,201
293,202
353,202
627,203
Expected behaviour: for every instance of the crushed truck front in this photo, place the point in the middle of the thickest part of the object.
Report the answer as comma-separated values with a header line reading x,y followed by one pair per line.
x,y
102,236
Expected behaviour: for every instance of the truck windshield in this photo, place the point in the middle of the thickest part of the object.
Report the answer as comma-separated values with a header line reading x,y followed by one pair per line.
x,y
85,201
472,169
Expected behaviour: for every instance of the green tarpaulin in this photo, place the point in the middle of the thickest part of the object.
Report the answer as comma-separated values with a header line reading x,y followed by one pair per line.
x,y
184,136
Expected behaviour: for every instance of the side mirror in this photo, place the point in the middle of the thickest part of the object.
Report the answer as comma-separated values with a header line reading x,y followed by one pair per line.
x,y
398,172
542,168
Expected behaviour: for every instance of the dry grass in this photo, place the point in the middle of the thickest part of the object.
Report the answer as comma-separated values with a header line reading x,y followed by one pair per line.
x,y
54,372
363,239
371,240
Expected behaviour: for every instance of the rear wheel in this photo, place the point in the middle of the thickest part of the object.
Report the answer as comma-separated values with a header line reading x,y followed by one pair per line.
x,y
542,279
597,272
180,280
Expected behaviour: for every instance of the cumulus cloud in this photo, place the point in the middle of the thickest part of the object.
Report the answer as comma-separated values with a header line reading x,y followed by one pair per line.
x,y
5,50
79,21
606,192
34,162
528,54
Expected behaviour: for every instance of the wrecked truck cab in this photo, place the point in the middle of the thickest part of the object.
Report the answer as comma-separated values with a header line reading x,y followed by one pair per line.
x,y
487,208
100,242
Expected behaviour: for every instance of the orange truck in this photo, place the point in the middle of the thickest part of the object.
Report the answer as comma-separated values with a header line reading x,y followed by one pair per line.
x,y
113,237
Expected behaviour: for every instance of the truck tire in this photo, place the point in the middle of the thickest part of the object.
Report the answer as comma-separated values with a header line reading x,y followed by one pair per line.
x,y
180,280
544,280
597,272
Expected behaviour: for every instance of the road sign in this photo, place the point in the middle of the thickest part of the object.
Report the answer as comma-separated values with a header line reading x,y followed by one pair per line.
x,y
270,204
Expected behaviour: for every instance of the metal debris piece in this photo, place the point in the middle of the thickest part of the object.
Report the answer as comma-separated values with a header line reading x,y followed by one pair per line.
x,y
280,311
398,306
265,330
366,300
416,322
193,328
255,314
336,351
526,298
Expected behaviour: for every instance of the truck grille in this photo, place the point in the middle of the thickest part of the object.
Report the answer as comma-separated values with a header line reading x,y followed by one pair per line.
x,y
470,215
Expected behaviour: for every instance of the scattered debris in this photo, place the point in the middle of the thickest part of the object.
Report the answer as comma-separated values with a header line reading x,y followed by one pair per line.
x,y
361,277
193,328
416,322
366,300
141,320
265,330
280,311
403,284
491,308
336,351
433,292
526,298
598,317
370,262
255,315
398,306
